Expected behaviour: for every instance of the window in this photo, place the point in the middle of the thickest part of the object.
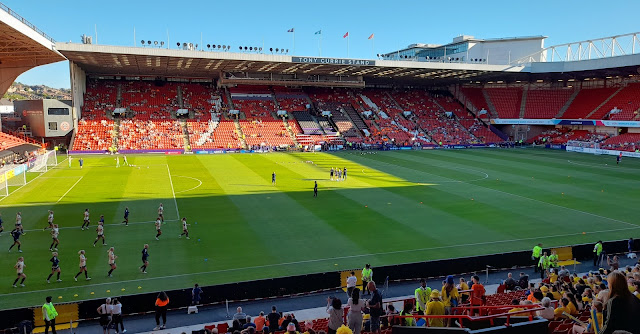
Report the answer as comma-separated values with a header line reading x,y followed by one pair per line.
x,y
58,111
53,125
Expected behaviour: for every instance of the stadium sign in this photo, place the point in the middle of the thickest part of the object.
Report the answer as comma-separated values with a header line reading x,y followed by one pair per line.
x,y
333,61
523,121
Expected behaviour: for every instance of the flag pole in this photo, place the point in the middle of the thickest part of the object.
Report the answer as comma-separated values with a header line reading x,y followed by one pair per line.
x,y
348,38
373,46
294,40
134,35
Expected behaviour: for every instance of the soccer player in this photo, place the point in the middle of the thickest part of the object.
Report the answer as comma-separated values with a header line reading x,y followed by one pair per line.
x,y
344,173
81,162
100,231
55,231
19,222
49,220
117,162
112,261
16,239
85,223
70,161
83,267
20,271
331,174
145,259
273,178
55,267
161,212
315,189
185,230
158,228
124,157
126,216
618,158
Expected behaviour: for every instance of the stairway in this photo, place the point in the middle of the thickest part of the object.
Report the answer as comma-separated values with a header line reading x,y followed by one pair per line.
x,y
179,97
119,96
240,134
492,108
115,133
566,105
394,100
604,102
523,103
185,136
290,131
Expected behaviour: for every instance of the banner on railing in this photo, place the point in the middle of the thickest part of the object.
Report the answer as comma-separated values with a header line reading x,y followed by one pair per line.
x,y
601,151
527,121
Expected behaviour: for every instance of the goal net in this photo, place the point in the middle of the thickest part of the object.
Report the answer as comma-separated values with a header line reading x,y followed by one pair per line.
x,y
44,162
13,178
583,144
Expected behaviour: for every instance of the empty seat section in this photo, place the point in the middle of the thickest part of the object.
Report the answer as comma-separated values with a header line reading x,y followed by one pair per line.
x,y
627,101
545,103
507,101
586,101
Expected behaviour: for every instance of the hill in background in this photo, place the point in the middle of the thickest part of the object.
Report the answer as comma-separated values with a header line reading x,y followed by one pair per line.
x,y
19,91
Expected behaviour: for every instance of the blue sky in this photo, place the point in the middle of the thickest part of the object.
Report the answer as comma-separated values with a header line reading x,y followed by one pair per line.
x,y
252,23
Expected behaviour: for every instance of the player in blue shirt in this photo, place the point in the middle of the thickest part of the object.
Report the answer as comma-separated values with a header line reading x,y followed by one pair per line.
x,y
145,259
16,239
81,162
126,216
273,178
55,267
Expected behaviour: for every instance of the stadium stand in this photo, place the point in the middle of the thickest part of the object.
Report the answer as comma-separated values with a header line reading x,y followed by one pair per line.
x,y
625,142
507,101
545,103
587,101
476,97
627,100
93,135
150,101
8,141
149,135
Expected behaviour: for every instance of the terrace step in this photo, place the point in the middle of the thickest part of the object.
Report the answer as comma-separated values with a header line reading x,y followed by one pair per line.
x,y
566,105
604,102
492,108
523,103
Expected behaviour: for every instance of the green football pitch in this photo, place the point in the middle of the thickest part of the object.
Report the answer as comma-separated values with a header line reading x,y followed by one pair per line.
x,y
394,207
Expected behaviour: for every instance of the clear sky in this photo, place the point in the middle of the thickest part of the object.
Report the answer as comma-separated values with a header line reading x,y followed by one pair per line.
x,y
395,24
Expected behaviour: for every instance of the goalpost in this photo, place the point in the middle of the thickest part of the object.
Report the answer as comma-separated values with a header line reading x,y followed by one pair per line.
x,y
44,162
16,177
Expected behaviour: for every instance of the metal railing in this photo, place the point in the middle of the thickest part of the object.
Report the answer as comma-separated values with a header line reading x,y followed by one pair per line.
x,y
24,21
607,47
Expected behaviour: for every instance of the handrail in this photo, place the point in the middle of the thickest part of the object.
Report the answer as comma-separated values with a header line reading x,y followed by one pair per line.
x,y
25,22
491,317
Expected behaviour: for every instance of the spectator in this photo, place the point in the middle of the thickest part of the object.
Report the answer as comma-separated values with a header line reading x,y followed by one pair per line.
x,y
563,307
408,311
291,329
614,264
597,252
510,283
463,286
162,303
334,309
236,326
240,316
573,304
375,307
105,315
49,315
547,313
273,318
556,294
477,295
523,281
260,321
116,315
622,309
248,323
577,329
352,280
195,295
390,320
354,318
435,307
515,302
563,272
450,297
288,318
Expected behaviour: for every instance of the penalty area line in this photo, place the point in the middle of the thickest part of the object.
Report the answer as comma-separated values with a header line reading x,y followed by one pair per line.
x,y
175,201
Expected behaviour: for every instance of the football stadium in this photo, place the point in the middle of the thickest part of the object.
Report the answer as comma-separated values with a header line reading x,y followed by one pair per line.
x,y
490,184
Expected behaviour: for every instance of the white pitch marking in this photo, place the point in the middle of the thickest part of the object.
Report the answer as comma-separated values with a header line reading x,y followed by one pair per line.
x,y
188,177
